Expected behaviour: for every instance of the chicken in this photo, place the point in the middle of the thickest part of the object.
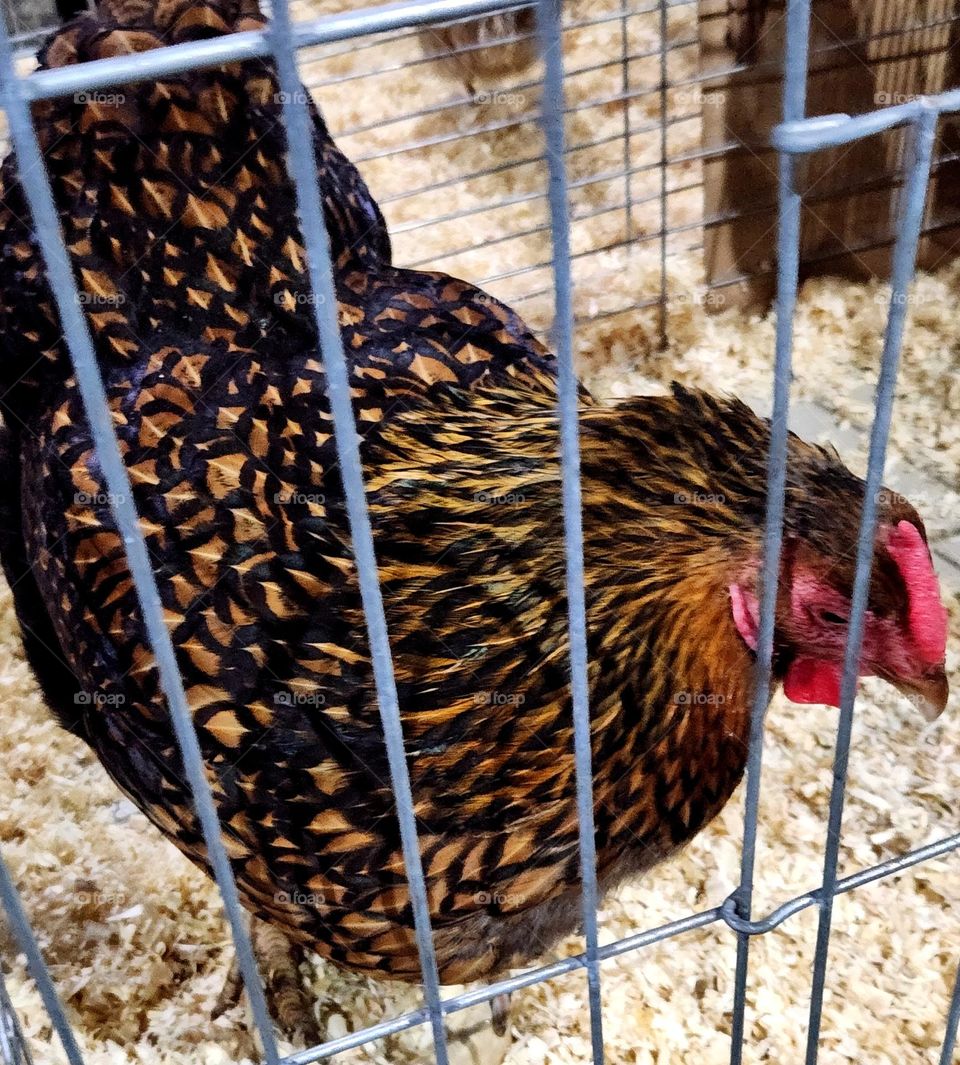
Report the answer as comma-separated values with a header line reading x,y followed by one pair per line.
x,y
180,219
481,49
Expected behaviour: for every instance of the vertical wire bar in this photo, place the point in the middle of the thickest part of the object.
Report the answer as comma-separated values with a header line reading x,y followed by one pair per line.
x,y
625,86
953,1022
13,1045
23,933
43,211
788,274
664,27
901,274
550,30
303,169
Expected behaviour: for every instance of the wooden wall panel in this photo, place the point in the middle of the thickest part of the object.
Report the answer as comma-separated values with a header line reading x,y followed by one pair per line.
x,y
864,54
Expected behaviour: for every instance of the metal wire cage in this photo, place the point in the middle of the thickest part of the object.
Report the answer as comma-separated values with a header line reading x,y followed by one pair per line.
x,y
795,138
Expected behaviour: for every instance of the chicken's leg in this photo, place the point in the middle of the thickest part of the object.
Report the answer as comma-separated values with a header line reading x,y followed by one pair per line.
x,y
478,1035
500,1013
279,961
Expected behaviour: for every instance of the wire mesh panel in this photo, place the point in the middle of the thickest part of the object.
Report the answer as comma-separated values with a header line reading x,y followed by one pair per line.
x,y
647,185
656,152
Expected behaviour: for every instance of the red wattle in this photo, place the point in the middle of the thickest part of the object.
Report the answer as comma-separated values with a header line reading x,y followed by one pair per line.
x,y
811,681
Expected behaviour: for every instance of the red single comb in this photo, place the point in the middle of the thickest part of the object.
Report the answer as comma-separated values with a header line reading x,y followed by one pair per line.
x,y
926,616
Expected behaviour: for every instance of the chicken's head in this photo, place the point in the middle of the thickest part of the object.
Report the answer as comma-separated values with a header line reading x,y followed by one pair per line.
x,y
905,626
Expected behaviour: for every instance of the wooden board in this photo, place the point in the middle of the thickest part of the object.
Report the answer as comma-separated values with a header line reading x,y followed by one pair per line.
x,y
864,54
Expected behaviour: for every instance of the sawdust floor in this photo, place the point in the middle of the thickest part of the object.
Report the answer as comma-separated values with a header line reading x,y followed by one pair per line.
x,y
135,935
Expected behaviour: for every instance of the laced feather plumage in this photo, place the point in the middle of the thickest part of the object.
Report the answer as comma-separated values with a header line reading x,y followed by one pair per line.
x,y
180,218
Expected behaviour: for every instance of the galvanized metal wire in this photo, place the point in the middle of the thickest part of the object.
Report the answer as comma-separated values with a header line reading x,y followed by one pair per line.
x,y
304,172
13,1047
548,21
794,138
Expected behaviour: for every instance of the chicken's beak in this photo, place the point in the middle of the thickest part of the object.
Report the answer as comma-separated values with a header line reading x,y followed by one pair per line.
x,y
928,693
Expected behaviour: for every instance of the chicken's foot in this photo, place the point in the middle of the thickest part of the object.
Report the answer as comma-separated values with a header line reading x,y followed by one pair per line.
x,y
287,1000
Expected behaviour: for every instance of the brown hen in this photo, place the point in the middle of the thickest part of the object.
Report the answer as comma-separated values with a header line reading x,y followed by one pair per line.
x,y
179,215
483,49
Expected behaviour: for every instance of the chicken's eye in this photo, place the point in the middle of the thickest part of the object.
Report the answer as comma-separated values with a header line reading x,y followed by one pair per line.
x,y
832,619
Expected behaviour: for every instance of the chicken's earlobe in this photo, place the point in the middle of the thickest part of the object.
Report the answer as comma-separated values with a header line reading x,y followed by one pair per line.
x,y
927,616
746,614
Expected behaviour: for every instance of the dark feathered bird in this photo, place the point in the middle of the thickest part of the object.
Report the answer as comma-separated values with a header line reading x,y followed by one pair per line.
x,y
478,50
180,219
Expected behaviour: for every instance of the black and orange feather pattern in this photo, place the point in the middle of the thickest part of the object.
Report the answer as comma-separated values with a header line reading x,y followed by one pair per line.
x,y
180,219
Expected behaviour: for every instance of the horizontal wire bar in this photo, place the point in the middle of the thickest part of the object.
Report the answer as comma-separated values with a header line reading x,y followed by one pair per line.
x,y
636,305
545,264
890,867
819,258
408,64
635,241
527,118
885,183
503,987
832,131
672,161
543,227
250,44
628,944
774,66
599,316
513,89
525,197
467,49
